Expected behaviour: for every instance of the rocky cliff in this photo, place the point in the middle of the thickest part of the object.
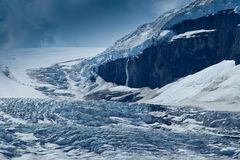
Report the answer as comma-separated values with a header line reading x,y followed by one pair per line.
x,y
195,45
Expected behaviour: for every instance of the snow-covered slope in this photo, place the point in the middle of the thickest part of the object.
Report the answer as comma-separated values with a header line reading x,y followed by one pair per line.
x,y
14,65
215,88
11,88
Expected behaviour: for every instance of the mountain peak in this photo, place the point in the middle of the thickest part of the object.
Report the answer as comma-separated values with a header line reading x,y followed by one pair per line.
x,y
142,38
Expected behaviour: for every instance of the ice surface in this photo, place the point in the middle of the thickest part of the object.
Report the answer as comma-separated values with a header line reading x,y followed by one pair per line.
x,y
111,130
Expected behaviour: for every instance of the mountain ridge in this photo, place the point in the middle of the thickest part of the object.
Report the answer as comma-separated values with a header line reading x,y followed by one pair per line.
x,y
196,44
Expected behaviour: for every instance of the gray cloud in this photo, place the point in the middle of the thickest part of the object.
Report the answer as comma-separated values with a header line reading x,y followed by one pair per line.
x,y
163,6
34,23
26,22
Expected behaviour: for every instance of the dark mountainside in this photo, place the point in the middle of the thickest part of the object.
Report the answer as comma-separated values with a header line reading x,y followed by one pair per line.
x,y
167,61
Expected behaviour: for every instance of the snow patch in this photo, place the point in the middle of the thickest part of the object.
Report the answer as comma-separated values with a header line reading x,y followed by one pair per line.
x,y
191,34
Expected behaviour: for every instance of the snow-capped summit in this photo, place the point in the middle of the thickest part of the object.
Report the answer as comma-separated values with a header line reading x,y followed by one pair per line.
x,y
144,36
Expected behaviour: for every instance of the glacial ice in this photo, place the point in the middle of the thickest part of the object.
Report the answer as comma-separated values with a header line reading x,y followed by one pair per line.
x,y
47,129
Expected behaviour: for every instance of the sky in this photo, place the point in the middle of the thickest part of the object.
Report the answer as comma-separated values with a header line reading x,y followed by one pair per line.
x,y
71,23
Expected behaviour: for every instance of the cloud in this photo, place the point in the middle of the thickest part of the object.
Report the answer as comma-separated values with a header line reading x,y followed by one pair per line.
x,y
26,22
166,5
35,23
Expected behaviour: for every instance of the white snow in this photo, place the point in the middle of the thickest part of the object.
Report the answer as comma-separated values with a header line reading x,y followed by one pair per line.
x,y
17,61
191,34
214,88
121,88
10,88
26,58
237,9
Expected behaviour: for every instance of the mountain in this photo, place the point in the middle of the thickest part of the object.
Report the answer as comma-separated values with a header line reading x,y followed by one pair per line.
x,y
143,64
145,34
198,36
180,42
156,29
169,90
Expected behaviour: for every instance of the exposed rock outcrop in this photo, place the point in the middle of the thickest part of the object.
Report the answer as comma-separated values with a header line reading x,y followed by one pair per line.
x,y
169,60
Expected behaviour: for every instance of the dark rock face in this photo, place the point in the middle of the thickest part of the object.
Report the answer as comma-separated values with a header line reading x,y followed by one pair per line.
x,y
168,61
114,96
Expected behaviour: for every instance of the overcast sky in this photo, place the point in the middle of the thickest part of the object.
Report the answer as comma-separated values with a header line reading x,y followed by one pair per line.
x,y
91,23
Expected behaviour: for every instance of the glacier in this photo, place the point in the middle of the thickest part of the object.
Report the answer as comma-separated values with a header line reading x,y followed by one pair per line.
x,y
196,117
63,129
15,63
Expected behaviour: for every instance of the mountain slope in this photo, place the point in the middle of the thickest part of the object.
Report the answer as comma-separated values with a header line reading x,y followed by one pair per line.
x,y
215,88
157,29
11,88
144,38
197,44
